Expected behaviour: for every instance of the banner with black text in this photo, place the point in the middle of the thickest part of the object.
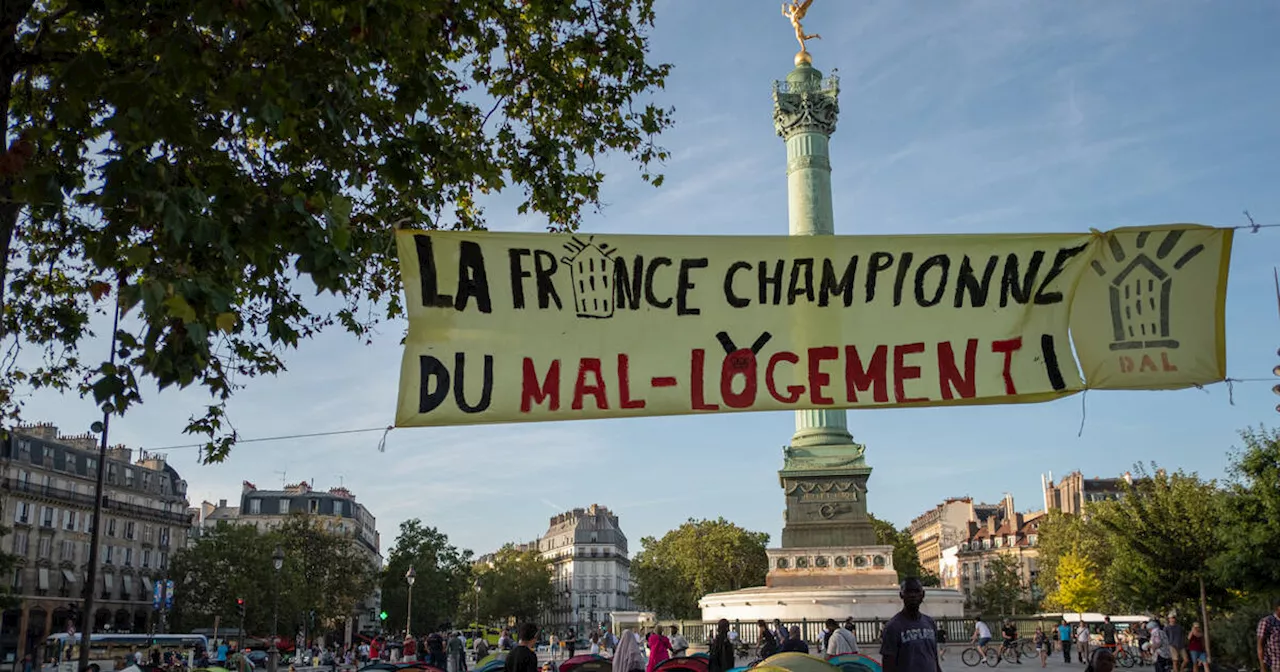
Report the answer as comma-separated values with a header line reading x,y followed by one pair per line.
x,y
512,327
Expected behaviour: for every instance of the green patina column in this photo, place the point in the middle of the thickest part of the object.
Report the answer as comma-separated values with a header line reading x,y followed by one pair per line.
x,y
824,474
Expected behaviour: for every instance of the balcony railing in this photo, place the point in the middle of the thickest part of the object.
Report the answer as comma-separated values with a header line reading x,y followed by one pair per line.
x,y
81,499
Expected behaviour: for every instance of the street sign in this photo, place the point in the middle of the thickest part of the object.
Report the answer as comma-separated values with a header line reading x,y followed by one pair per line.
x,y
155,595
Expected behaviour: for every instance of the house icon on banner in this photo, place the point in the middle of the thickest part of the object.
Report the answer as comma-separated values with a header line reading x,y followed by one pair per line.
x,y
591,271
1141,292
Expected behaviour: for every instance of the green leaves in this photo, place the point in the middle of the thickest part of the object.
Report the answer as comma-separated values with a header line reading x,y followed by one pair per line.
x,y
442,582
322,573
212,158
906,558
701,556
516,584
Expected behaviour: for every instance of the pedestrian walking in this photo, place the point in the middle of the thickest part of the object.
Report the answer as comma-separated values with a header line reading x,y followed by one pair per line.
x,y
626,658
679,645
1177,644
659,649
1064,637
720,651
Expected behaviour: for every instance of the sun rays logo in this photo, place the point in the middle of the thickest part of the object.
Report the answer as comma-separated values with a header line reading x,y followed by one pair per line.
x,y
591,271
1141,292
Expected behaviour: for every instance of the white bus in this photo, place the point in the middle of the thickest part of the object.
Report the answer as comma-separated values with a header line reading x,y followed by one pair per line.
x,y
105,649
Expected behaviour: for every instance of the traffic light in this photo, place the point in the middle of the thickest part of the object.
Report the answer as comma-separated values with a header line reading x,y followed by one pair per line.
x,y
240,606
383,616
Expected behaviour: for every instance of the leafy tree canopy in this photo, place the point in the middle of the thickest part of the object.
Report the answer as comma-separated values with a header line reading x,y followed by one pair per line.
x,y
517,584
1001,590
323,574
1251,516
1157,532
906,557
206,164
1079,586
671,574
442,577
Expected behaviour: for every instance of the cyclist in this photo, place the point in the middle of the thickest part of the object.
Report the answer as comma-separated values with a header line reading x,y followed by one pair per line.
x,y
981,635
1010,633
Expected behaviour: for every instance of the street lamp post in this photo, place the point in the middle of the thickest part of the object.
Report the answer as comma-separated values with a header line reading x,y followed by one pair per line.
x,y
477,603
277,561
408,619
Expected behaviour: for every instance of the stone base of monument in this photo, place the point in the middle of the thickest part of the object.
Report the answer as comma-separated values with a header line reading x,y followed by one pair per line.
x,y
819,583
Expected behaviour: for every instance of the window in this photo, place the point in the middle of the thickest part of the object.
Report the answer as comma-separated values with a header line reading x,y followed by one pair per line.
x,y
284,506
47,515
128,477
45,549
313,506
68,551
20,543
146,558
164,537
68,519
128,529
22,514
107,553
164,560
111,473
1032,539
128,557
111,527
255,506
146,481
148,534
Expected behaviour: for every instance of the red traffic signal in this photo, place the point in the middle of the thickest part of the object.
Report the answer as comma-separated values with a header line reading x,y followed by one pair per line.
x,y
240,601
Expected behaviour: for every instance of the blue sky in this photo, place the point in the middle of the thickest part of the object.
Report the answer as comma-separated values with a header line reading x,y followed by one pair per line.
x,y
956,117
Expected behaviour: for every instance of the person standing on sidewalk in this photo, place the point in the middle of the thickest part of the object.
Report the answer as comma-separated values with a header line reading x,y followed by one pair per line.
x,y
1064,636
909,641
720,650
1177,644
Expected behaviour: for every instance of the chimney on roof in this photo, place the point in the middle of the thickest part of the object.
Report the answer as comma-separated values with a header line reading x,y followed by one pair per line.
x,y
991,523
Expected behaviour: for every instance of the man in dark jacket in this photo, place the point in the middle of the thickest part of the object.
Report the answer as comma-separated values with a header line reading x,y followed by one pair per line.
x,y
722,658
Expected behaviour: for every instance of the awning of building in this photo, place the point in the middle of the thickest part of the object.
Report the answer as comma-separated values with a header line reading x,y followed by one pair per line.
x,y
69,576
44,578
109,581
128,585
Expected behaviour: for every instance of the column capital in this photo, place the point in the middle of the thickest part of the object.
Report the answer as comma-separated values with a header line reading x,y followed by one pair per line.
x,y
806,103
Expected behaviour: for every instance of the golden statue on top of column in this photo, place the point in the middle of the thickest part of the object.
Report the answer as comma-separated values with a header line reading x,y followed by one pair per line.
x,y
795,10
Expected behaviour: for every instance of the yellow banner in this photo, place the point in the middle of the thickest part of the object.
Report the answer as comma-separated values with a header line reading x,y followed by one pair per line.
x,y
510,327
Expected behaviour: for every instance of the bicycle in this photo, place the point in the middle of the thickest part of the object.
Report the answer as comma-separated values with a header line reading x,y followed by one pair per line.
x,y
1009,652
1028,647
971,656
1124,657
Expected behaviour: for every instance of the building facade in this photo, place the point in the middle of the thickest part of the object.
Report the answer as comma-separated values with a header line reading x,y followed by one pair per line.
x,y
48,498
1075,491
591,568
943,526
1003,533
335,511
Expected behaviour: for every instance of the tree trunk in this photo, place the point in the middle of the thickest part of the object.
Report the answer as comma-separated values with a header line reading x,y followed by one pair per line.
x,y
1204,622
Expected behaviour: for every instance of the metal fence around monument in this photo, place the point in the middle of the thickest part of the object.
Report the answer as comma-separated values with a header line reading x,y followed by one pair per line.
x,y
959,630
